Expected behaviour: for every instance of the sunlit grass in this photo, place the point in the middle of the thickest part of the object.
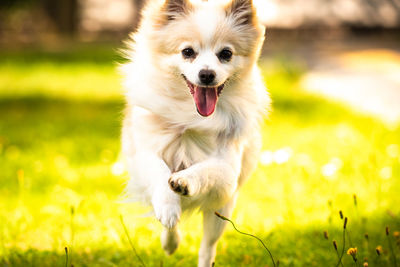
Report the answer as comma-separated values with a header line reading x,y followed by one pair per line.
x,y
60,117
79,72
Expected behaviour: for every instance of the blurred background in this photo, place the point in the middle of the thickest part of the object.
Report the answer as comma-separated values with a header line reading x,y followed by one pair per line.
x,y
331,142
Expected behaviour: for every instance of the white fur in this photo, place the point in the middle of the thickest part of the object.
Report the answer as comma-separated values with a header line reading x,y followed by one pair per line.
x,y
166,142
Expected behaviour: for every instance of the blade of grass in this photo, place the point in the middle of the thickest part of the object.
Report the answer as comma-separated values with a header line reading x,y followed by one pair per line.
x,y
337,252
72,233
391,247
130,241
344,242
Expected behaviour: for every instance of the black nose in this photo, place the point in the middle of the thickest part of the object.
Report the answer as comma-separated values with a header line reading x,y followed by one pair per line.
x,y
207,76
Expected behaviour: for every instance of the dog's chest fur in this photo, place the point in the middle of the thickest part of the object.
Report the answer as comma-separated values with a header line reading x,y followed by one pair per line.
x,y
177,145
185,149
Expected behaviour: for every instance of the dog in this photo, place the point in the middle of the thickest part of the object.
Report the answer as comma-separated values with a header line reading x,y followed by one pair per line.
x,y
195,102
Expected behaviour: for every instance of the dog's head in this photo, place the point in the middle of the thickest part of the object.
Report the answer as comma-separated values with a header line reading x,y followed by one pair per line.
x,y
207,45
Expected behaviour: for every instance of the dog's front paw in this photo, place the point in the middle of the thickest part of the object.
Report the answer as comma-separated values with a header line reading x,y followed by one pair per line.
x,y
182,183
168,214
179,185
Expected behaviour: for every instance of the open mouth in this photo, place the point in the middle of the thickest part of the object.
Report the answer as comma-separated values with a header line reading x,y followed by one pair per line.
x,y
205,97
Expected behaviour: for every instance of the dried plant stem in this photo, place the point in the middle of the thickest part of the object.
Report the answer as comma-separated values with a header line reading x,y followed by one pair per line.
x,y
130,241
337,252
66,256
240,232
340,260
344,242
342,253
368,246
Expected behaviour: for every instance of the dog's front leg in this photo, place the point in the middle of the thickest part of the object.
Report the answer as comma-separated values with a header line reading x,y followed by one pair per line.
x,y
152,173
216,177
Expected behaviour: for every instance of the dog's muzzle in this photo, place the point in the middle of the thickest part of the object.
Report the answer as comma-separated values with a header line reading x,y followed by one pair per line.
x,y
205,97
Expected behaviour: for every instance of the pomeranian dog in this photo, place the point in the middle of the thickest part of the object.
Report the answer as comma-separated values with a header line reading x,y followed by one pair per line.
x,y
195,102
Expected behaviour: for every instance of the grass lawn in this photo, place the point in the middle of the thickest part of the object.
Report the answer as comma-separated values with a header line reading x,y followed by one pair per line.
x,y
61,176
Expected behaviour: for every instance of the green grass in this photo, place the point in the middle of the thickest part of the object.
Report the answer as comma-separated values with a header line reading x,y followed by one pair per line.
x,y
60,115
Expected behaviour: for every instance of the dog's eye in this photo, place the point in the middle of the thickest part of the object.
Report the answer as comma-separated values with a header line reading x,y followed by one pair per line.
x,y
188,53
225,55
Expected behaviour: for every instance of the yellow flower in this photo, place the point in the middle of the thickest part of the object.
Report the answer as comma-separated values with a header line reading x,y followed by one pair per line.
x,y
396,234
352,251
379,250
365,264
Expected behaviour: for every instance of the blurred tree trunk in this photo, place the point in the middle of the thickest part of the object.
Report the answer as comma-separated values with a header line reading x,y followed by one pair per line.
x,y
64,14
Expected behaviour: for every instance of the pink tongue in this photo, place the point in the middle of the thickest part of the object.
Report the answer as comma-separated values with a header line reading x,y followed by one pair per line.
x,y
205,99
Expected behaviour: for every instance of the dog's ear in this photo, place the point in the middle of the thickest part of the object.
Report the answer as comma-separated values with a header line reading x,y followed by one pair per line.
x,y
173,9
242,11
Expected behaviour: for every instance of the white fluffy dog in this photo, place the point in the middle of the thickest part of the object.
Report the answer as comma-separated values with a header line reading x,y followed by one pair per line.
x,y
195,101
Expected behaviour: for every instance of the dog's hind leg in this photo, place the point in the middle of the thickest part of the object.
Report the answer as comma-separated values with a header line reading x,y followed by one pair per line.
x,y
213,227
170,239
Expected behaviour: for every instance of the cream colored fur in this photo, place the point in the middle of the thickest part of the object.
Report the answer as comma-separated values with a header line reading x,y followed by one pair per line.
x,y
170,149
